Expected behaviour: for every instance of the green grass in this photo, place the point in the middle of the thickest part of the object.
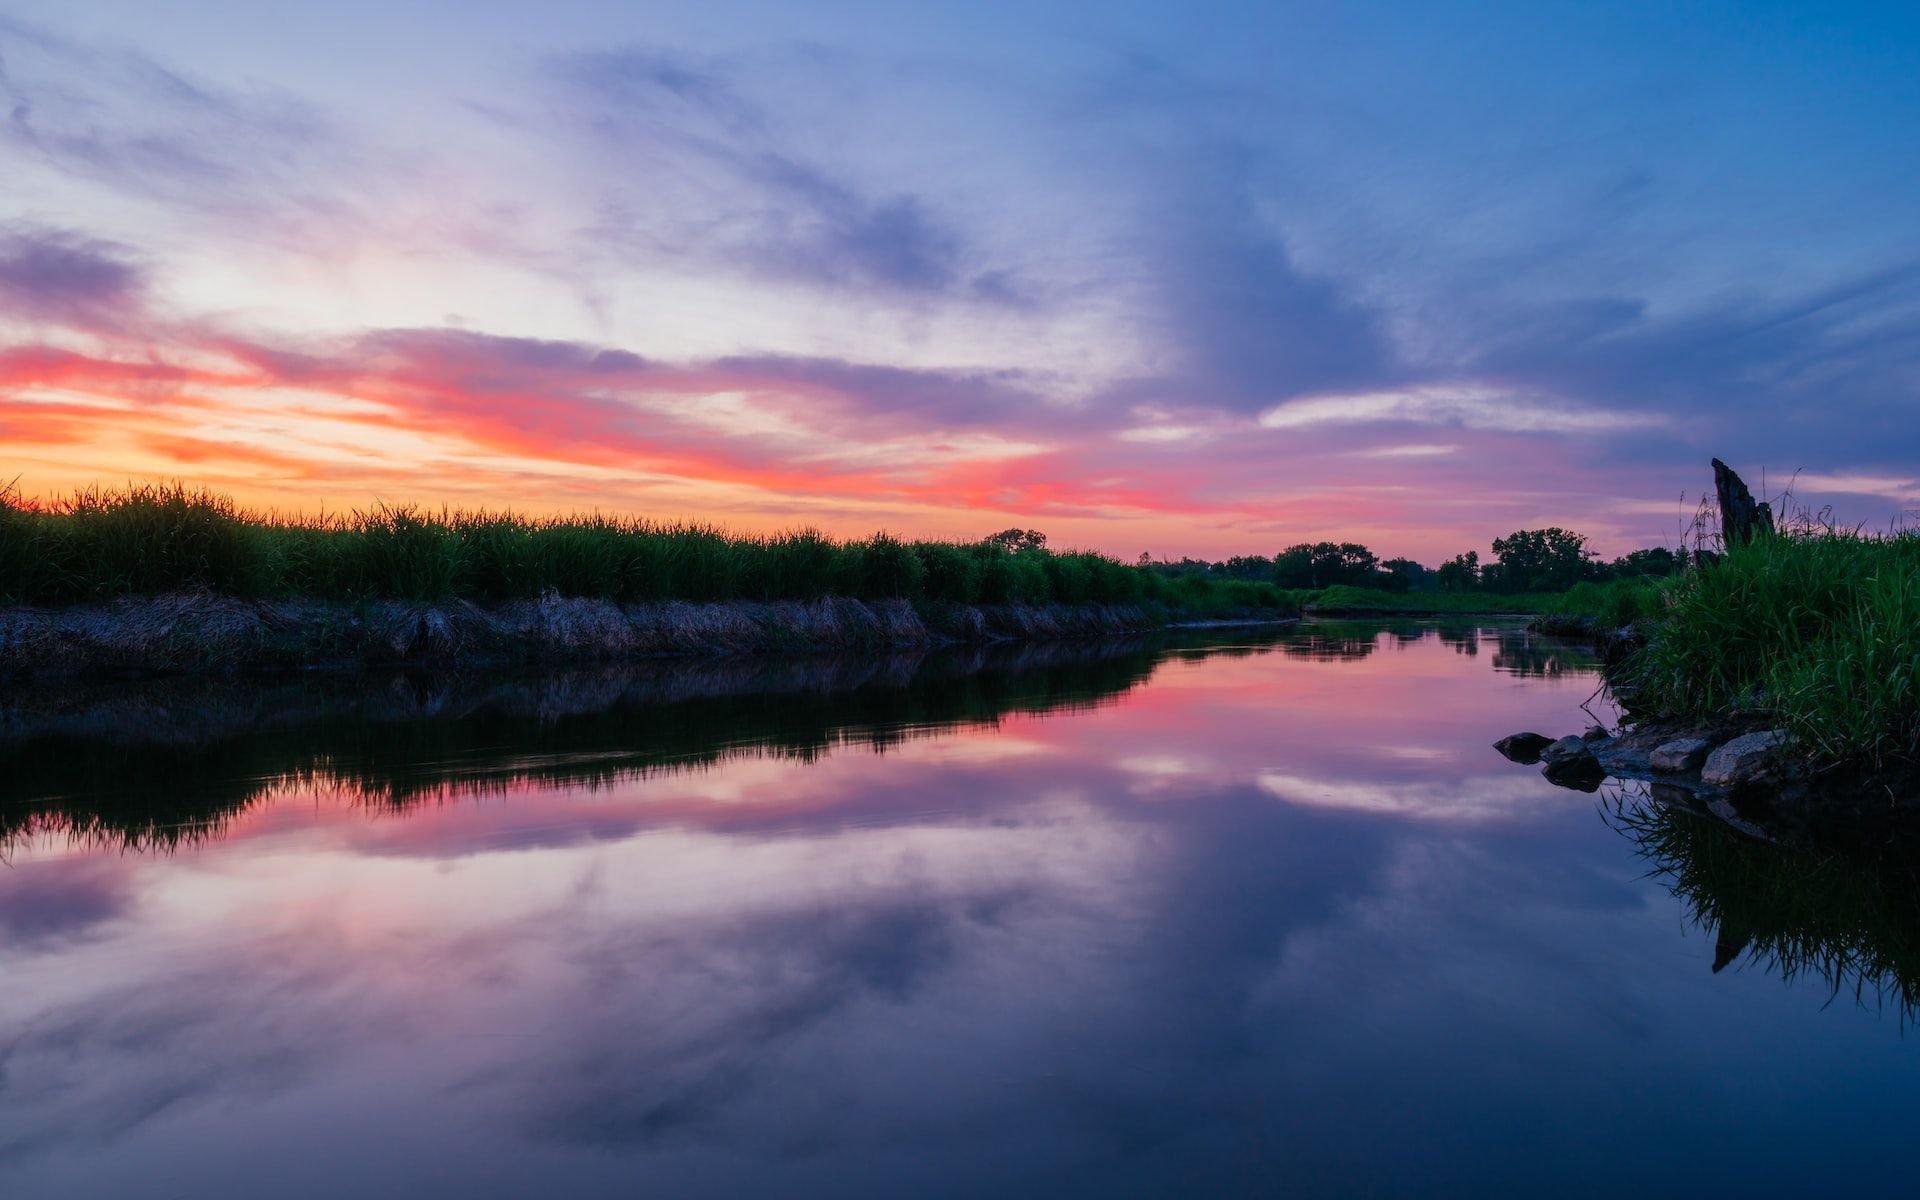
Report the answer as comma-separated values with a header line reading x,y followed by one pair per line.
x,y
1819,631
98,545
1617,602
1342,598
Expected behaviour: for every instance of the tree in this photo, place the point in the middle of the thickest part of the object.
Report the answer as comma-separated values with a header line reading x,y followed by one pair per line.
x,y
1542,560
1246,566
1404,575
1015,540
1461,573
1324,564
1657,561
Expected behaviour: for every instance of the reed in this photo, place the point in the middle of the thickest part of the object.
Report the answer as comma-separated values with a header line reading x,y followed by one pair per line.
x,y
100,544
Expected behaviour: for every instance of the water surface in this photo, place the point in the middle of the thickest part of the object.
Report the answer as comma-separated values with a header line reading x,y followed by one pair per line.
x,y
1257,913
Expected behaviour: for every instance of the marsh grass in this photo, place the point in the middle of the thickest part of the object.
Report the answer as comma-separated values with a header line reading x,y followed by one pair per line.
x,y
1816,628
146,539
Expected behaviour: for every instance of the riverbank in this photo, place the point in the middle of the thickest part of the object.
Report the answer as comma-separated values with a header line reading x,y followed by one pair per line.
x,y
200,633
169,580
1617,602
1786,667
1345,601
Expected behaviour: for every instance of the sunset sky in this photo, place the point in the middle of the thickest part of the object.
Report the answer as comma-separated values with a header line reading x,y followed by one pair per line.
x,y
1181,278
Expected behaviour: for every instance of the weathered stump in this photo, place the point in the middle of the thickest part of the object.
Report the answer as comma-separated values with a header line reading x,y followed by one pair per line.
x,y
1742,518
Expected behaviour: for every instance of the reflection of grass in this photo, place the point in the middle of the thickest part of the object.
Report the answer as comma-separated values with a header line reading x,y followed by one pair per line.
x,y
143,796
412,740
1851,923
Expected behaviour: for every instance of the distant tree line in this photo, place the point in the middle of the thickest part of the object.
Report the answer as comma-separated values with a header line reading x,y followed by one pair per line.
x,y
1527,560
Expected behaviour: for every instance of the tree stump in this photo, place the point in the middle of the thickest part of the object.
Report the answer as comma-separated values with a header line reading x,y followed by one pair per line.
x,y
1742,518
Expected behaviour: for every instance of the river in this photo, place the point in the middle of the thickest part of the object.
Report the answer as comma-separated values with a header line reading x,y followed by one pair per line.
x,y
1242,912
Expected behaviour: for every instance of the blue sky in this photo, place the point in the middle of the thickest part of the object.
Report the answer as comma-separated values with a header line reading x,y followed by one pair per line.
x,y
1192,279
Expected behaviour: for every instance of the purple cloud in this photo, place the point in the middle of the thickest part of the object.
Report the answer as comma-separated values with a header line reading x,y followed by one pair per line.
x,y
769,209
61,277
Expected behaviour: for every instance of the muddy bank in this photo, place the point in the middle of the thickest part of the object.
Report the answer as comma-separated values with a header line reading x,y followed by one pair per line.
x,y
203,634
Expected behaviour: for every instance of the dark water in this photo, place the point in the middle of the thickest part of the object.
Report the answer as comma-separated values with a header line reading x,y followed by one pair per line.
x,y
1251,915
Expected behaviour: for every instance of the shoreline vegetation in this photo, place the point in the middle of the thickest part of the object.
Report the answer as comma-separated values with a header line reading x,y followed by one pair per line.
x,y
1780,670
171,580
168,579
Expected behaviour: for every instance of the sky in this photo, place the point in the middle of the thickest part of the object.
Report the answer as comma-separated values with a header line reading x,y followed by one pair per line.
x,y
1186,279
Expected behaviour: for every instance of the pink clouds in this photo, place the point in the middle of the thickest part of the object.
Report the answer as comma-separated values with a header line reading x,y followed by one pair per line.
x,y
447,414
98,386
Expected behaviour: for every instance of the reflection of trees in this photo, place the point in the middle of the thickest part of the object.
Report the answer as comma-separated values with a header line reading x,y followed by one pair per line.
x,y
1333,641
175,761
1331,647
1518,652
1848,919
1463,639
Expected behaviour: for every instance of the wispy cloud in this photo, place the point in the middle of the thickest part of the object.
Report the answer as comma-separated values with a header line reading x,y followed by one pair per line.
x,y
55,276
1177,298
680,148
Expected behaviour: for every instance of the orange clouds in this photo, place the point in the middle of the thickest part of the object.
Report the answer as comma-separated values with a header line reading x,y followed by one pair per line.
x,y
440,415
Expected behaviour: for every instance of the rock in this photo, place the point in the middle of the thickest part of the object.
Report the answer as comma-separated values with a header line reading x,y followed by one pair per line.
x,y
1742,758
1523,747
1623,759
1566,748
1570,762
1680,754
1595,733
1582,772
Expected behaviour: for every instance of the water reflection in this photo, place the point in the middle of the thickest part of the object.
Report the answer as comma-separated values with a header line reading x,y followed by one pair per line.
x,y
173,762
169,762
1849,920
1230,914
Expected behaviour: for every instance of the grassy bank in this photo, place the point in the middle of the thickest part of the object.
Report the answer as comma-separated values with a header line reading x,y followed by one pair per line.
x,y
1818,631
1619,602
100,545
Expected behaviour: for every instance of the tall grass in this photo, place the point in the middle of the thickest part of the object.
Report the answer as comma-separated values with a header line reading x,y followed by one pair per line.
x,y
1818,629
99,544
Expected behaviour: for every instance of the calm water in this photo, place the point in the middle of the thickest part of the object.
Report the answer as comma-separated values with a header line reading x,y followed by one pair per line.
x,y
1256,915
